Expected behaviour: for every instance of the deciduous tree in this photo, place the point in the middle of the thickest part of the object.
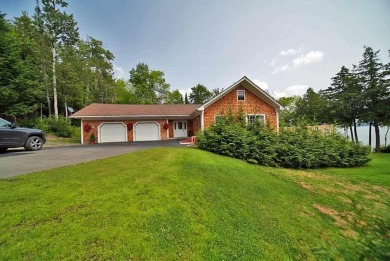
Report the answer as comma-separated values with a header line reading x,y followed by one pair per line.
x,y
61,29
310,109
175,97
149,86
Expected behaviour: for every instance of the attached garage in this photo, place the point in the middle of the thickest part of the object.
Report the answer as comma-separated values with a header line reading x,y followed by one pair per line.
x,y
145,131
112,132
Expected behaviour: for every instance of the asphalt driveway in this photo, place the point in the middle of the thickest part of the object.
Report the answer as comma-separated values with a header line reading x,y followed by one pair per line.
x,y
18,161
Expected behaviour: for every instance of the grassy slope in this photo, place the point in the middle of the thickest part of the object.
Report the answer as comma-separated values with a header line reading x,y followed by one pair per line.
x,y
182,204
377,172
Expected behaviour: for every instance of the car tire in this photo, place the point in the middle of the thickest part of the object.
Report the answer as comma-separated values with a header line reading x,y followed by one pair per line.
x,y
33,143
3,150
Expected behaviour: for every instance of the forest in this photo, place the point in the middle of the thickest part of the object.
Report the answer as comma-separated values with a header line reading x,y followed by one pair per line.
x,y
48,71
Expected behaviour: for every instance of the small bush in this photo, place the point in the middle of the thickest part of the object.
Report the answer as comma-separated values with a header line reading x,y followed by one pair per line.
x,y
385,149
290,149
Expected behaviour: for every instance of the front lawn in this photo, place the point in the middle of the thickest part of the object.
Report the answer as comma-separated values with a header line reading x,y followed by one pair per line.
x,y
180,203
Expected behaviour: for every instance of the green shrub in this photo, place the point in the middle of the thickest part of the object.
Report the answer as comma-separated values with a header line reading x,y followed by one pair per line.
x,y
385,149
233,141
290,149
60,127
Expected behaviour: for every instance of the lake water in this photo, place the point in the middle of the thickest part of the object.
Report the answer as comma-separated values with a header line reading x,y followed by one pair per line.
x,y
362,132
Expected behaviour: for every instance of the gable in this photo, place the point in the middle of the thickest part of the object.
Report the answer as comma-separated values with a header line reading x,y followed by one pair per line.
x,y
251,103
250,106
244,82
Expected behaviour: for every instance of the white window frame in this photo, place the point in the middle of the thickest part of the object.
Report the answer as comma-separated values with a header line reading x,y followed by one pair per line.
x,y
239,91
255,115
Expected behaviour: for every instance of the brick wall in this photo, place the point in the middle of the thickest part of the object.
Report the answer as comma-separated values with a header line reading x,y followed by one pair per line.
x,y
194,125
251,105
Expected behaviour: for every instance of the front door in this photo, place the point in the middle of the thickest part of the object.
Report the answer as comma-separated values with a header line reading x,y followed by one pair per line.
x,y
179,129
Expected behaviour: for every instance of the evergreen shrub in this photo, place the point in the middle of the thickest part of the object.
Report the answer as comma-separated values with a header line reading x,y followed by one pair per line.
x,y
60,127
297,148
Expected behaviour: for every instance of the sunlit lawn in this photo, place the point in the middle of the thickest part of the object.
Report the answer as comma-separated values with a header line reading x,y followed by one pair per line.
x,y
182,203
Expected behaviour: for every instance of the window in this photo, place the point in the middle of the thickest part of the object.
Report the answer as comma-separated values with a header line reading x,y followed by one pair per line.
x,y
241,95
4,123
254,118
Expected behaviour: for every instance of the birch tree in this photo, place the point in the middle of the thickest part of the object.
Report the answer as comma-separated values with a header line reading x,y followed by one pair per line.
x,y
61,29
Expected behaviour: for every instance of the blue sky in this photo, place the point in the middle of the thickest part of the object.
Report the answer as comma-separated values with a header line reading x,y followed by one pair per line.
x,y
284,46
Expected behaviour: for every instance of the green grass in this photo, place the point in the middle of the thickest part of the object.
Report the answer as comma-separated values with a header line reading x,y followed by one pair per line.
x,y
180,203
376,172
62,141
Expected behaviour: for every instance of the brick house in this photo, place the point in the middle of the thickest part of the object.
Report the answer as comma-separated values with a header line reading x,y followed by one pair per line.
x,y
126,123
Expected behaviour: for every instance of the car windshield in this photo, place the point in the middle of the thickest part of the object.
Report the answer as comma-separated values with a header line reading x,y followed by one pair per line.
x,y
4,123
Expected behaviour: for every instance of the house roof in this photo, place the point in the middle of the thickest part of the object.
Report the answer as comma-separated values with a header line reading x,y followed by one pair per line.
x,y
135,110
245,82
150,111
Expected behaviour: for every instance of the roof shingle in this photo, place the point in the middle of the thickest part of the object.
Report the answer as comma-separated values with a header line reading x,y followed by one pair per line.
x,y
99,109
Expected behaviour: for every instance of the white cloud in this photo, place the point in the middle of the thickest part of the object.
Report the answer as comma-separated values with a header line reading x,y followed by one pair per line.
x,y
262,85
289,52
282,68
310,57
303,59
119,72
298,89
184,91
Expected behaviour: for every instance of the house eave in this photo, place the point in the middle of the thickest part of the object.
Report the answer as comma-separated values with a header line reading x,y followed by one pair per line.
x,y
131,117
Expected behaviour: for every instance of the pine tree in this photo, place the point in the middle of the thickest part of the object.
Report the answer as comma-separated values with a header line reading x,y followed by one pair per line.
x,y
186,101
20,84
372,74
345,94
200,94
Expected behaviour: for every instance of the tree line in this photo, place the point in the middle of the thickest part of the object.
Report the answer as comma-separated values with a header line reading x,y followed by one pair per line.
x,y
147,86
357,95
47,69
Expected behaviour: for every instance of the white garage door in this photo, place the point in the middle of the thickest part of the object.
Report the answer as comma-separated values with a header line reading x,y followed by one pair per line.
x,y
113,132
146,131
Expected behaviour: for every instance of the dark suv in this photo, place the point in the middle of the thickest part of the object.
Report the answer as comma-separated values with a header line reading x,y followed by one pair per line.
x,y
12,136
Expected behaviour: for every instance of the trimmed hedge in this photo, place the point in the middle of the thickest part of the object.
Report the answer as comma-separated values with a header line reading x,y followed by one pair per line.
x,y
289,149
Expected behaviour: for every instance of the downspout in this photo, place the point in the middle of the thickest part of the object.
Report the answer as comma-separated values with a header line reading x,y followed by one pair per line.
x,y
202,121
82,132
277,120
168,130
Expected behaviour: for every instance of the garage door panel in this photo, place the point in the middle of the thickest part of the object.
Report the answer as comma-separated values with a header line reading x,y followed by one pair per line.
x,y
147,131
112,132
